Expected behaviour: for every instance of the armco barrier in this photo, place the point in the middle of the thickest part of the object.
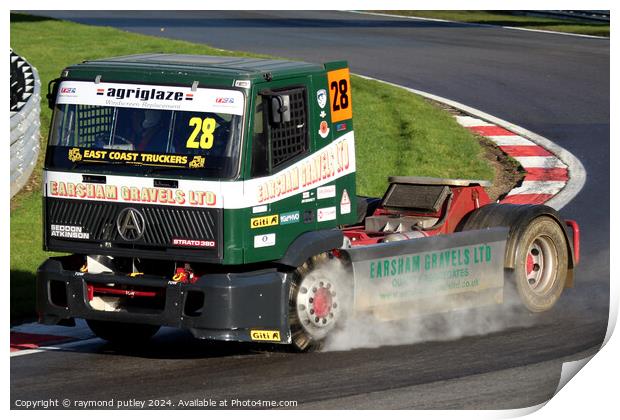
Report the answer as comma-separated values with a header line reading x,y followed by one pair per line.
x,y
25,122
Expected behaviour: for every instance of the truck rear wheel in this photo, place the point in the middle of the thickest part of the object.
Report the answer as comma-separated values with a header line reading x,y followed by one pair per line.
x,y
541,264
314,303
121,333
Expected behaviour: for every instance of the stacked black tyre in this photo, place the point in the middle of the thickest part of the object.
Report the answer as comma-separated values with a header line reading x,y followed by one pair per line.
x,y
25,123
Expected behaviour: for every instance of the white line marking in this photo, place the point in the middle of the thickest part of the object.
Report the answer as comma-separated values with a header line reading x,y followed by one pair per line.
x,y
514,28
467,121
539,161
577,173
481,25
511,141
26,352
538,187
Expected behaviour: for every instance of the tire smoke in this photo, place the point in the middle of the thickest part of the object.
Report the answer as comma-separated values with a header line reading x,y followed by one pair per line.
x,y
367,330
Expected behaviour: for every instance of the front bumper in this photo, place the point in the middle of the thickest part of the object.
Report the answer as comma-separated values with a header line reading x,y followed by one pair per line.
x,y
233,304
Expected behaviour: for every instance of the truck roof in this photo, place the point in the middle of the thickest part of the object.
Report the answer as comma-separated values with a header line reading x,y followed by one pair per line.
x,y
216,65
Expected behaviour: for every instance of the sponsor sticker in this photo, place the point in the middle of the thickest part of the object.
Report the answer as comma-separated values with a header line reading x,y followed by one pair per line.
x,y
326,214
323,129
261,241
151,97
127,194
224,100
307,197
198,243
429,275
68,92
341,126
323,114
264,221
68,231
259,209
289,218
327,191
345,203
76,154
333,161
265,335
321,98
245,84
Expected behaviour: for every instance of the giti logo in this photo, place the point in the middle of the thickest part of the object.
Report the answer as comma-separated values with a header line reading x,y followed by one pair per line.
x,y
259,222
265,335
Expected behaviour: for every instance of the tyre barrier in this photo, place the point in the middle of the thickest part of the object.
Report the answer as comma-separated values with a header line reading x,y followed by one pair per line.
x,y
25,122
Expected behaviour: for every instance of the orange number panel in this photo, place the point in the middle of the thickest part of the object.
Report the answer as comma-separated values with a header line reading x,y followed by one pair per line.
x,y
340,95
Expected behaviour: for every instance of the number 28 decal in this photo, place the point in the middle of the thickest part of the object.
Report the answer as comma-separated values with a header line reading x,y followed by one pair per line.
x,y
204,128
340,94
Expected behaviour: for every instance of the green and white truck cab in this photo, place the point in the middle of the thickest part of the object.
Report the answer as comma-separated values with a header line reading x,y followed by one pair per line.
x,y
217,161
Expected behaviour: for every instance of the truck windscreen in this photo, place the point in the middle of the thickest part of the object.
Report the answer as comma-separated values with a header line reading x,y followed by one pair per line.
x,y
134,130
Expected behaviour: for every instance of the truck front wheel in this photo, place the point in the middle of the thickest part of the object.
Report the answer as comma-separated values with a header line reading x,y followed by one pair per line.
x,y
120,333
315,301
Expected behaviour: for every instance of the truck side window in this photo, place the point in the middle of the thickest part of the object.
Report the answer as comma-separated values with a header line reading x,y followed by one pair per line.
x,y
260,162
289,140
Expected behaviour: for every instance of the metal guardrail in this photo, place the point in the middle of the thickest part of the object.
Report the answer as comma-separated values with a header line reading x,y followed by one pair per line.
x,y
25,122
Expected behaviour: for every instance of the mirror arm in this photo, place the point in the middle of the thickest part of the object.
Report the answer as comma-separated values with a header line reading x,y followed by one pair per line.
x,y
52,92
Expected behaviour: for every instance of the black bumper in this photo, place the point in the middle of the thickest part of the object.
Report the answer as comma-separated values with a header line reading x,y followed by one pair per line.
x,y
233,304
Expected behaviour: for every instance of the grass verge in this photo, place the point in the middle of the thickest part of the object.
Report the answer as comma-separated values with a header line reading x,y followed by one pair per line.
x,y
504,18
397,133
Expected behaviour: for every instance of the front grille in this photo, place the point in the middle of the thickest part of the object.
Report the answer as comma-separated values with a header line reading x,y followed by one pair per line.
x,y
162,224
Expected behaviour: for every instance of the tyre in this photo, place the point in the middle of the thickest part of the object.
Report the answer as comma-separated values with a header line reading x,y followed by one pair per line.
x,y
315,302
120,333
541,264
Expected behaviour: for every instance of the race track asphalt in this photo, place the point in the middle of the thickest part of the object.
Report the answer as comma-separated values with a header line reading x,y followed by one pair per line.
x,y
554,85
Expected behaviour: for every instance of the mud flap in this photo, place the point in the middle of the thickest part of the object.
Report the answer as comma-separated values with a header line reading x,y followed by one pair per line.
x,y
429,275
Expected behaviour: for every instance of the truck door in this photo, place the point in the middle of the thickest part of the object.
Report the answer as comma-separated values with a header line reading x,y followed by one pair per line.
x,y
285,209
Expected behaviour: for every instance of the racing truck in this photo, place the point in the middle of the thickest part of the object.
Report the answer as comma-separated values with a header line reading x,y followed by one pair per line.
x,y
218,195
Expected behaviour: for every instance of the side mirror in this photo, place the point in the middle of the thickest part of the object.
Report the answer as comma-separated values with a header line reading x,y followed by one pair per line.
x,y
280,109
52,92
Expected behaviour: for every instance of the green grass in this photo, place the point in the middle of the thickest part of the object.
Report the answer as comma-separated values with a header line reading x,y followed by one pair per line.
x,y
397,133
505,18
26,254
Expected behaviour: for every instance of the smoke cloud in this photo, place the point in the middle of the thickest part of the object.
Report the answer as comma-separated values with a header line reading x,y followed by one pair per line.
x,y
366,330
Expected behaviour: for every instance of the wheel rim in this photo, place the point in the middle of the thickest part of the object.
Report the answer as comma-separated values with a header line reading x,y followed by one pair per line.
x,y
540,264
318,306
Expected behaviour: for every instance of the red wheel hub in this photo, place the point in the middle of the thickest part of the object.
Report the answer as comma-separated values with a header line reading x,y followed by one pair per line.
x,y
529,264
322,302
